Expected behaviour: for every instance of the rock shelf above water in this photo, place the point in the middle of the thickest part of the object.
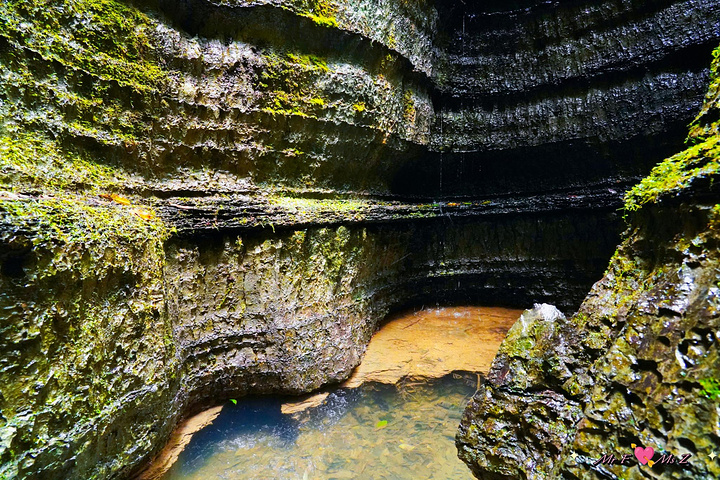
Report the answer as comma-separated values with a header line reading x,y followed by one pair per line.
x,y
433,343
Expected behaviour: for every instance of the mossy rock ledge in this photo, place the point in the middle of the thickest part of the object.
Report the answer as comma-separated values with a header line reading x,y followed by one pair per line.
x,y
205,199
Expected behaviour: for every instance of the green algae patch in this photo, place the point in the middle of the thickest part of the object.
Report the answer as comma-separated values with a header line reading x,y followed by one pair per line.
x,y
78,74
289,83
323,12
71,219
32,161
105,38
313,209
408,107
711,388
707,123
676,173
42,95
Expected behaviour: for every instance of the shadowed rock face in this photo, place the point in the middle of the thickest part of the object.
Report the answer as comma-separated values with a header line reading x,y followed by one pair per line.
x,y
637,366
202,199
540,96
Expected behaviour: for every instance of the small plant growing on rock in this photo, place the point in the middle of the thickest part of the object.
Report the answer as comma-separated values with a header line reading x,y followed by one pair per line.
x,y
711,388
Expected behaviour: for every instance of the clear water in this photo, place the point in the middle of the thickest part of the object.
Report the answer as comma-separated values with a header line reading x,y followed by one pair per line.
x,y
372,432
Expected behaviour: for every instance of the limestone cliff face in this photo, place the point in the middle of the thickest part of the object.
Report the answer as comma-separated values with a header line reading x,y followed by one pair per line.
x,y
201,199
638,364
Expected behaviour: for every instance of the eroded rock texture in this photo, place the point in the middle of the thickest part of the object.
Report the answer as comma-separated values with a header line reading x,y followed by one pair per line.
x,y
541,96
637,366
202,199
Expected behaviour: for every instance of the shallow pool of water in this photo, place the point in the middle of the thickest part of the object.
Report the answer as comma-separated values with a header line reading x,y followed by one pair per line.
x,y
370,428
375,431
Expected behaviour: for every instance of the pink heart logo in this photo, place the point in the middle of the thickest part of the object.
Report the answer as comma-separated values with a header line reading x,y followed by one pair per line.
x,y
644,455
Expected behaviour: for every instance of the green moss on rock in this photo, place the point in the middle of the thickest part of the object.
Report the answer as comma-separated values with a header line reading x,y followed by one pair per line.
x,y
106,38
677,173
30,161
707,123
82,296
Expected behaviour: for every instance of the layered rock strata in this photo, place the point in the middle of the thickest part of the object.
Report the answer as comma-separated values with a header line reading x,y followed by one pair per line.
x,y
540,96
637,366
202,199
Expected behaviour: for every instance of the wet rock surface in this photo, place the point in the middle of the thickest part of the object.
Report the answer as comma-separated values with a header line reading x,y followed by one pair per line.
x,y
636,367
433,343
202,199
546,95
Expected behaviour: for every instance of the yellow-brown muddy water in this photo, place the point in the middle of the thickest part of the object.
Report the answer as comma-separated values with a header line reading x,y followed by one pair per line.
x,y
374,430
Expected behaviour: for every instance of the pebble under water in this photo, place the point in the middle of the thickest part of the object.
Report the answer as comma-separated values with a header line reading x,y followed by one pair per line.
x,y
375,431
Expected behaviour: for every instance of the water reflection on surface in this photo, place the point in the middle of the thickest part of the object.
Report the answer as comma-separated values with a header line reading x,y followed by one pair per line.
x,y
375,432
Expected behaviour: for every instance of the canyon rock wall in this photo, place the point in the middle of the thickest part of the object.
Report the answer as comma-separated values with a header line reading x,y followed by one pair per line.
x,y
202,199
637,366
547,96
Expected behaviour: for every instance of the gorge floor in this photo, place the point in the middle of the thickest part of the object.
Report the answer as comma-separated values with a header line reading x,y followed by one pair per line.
x,y
395,418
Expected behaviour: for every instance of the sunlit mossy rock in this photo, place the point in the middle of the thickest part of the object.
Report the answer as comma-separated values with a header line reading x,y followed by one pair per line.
x,y
88,357
112,326
638,364
157,92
